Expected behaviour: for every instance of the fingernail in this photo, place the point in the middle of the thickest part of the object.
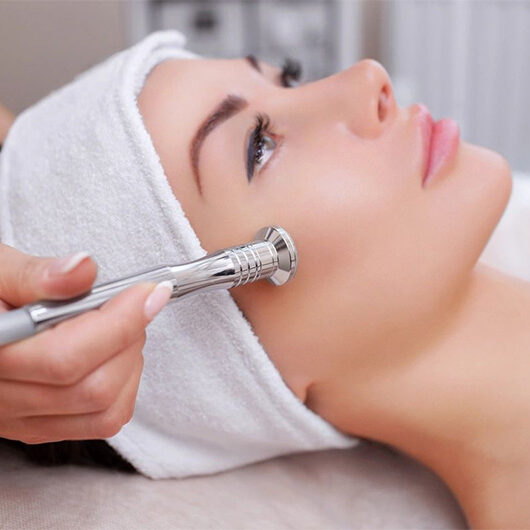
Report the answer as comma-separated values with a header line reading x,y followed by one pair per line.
x,y
66,265
158,298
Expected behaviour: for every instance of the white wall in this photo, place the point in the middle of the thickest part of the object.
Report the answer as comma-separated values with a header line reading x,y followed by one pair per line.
x,y
469,60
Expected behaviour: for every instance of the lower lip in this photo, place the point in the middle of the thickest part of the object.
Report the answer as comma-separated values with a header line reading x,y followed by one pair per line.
x,y
443,147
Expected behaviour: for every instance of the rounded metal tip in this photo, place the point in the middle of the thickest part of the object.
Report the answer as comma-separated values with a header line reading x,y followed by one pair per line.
x,y
287,254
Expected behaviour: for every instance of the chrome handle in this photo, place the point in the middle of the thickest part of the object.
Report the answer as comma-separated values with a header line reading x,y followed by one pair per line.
x,y
272,255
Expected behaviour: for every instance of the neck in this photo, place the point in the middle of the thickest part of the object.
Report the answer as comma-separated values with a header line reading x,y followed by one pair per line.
x,y
459,402
453,394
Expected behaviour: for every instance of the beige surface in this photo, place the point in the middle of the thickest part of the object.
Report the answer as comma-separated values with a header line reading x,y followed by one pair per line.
x,y
365,487
45,43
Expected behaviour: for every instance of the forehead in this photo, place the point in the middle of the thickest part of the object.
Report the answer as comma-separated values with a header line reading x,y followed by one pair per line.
x,y
195,86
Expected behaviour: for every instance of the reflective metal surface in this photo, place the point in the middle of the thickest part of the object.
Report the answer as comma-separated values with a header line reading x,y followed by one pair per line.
x,y
271,255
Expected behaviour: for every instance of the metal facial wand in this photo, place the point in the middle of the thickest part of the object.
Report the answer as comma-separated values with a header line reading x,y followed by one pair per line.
x,y
271,255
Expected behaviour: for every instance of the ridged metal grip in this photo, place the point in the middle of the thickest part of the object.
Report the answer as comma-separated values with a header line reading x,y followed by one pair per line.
x,y
271,256
254,262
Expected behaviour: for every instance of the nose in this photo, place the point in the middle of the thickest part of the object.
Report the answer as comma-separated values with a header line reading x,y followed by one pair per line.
x,y
366,92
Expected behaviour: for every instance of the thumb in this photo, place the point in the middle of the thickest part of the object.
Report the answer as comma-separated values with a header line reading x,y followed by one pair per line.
x,y
25,279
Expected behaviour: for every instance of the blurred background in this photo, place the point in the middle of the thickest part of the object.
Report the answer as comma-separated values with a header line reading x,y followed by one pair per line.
x,y
465,59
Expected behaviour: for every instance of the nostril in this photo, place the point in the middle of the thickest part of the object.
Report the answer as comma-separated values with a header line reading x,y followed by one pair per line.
x,y
382,106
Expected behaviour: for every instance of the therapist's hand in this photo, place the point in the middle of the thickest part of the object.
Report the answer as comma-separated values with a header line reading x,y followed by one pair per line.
x,y
6,120
78,380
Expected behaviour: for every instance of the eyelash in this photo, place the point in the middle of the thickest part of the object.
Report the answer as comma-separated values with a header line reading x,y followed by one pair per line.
x,y
291,71
262,127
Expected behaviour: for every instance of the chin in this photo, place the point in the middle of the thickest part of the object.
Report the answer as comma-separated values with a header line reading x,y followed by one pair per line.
x,y
497,179
488,189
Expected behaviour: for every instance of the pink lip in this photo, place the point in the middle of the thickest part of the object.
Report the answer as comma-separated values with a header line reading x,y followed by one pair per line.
x,y
440,143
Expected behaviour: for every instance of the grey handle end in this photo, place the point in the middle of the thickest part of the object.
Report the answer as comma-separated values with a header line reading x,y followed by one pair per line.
x,y
15,325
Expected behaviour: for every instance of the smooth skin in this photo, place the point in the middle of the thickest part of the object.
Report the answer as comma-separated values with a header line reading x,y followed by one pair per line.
x,y
80,379
392,330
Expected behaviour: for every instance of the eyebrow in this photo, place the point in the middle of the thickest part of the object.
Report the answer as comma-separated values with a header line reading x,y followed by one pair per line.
x,y
229,107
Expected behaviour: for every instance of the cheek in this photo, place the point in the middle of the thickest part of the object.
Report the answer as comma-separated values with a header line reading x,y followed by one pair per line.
x,y
374,246
343,202
466,205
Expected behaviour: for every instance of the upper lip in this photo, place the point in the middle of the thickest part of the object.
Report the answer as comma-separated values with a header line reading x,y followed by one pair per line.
x,y
425,124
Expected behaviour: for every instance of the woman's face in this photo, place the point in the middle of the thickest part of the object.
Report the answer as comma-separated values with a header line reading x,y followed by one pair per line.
x,y
380,254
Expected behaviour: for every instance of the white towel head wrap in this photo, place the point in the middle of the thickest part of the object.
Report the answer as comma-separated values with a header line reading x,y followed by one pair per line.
x,y
79,172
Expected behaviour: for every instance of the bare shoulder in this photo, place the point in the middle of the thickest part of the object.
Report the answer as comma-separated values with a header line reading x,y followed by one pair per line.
x,y
6,119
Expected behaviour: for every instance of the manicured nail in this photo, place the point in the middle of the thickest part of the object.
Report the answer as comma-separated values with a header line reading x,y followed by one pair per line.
x,y
66,265
158,298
